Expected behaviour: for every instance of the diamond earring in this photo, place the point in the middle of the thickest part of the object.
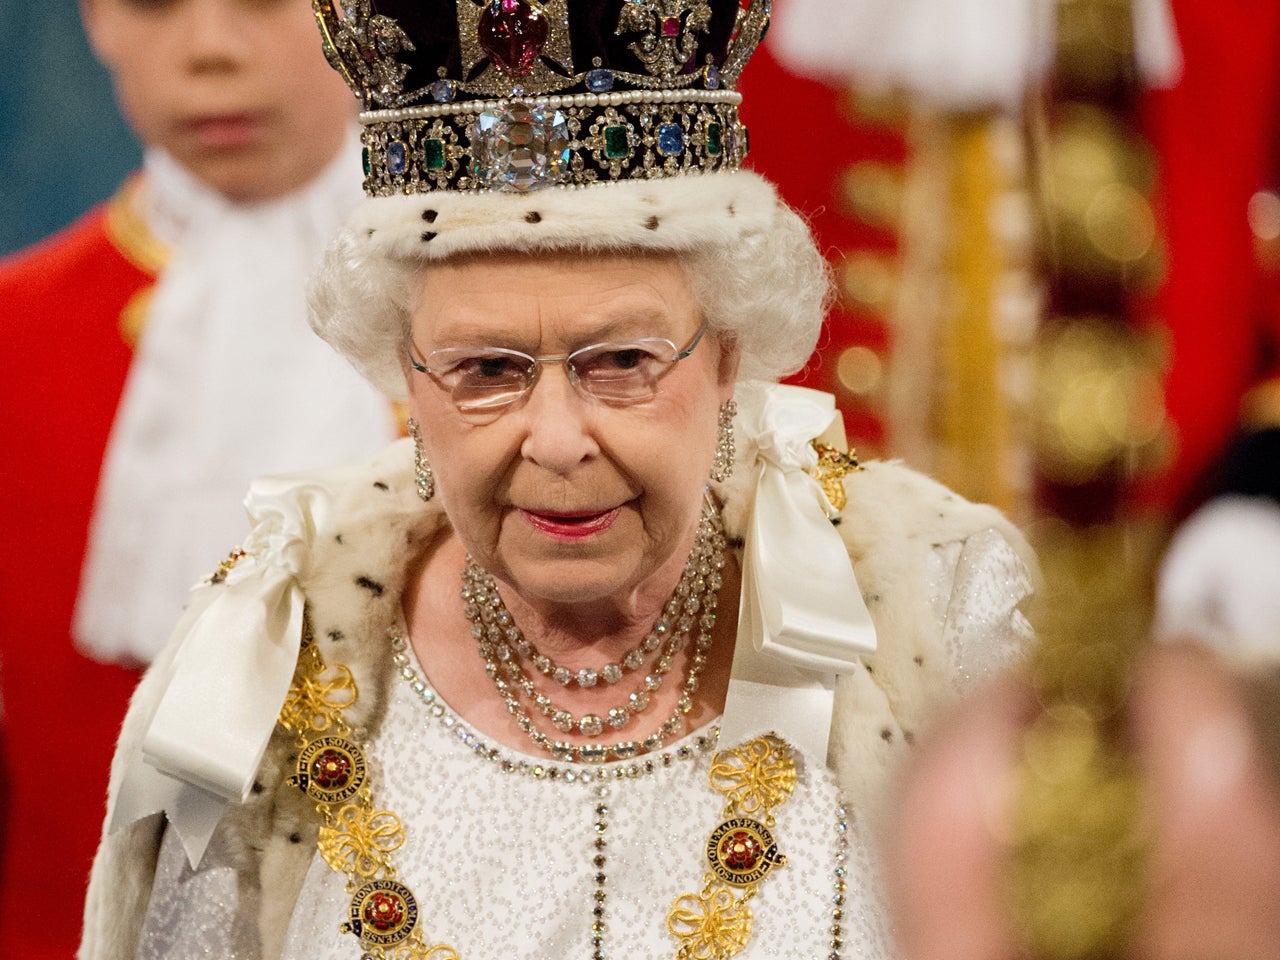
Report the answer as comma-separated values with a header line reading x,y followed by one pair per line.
x,y
424,480
722,465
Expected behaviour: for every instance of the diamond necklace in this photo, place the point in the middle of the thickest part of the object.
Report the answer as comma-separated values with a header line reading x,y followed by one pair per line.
x,y
635,658
611,672
692,604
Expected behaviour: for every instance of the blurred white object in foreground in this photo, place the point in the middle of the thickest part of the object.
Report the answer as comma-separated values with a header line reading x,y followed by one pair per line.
x,y
1220,580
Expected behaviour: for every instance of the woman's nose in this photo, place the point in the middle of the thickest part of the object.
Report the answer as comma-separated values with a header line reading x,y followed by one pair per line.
x,y
558,430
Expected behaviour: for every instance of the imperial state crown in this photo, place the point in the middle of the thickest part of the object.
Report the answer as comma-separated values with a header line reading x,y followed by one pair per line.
x,y
516,95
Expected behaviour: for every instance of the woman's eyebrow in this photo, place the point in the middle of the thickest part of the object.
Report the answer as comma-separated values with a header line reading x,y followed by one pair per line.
x,y
629,321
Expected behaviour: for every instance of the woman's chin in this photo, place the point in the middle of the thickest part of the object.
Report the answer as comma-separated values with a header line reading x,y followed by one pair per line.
x,y
570,581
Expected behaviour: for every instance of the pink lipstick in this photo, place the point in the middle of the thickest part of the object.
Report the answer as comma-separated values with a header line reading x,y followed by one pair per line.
x,y
570,526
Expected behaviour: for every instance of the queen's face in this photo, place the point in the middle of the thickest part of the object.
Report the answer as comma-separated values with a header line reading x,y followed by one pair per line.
x,y
568,498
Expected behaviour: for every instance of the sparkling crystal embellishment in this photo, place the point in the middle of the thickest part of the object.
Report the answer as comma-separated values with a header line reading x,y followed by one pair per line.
x,y
512,34
362,46
520,147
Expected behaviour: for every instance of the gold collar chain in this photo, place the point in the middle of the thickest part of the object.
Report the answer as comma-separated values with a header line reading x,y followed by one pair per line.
x,y
755,777
357,839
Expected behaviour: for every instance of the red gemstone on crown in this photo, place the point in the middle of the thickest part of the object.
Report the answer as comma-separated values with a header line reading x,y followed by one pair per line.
x,y
512,33
671,26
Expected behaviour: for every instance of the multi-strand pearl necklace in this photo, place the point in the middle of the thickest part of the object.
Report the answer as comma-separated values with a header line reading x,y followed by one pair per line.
x,y
502,645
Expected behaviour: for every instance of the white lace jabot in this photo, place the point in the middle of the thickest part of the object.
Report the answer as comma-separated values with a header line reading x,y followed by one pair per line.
x,y
228,383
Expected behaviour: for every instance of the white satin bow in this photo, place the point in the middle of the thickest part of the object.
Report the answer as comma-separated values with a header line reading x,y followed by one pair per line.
x,y
802,619
237,651
811,611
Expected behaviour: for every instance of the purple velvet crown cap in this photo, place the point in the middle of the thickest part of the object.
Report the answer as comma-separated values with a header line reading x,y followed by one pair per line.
x,y
520,95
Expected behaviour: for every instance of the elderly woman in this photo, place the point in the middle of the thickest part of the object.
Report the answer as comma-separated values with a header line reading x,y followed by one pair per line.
x,y
612,657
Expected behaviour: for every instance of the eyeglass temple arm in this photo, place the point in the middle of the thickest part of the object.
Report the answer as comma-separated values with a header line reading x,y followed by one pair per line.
x,y
693,343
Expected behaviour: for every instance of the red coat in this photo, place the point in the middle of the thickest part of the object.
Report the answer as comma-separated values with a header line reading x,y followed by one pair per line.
x,y
66,357
1217,136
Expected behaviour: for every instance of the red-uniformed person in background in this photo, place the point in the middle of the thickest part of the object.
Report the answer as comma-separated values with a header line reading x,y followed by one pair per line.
x,y
174,309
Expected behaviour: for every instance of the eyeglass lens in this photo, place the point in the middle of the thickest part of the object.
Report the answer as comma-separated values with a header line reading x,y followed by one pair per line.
x,y
625,372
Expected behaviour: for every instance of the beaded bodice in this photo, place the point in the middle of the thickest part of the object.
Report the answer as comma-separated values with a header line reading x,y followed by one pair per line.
x,y
518,856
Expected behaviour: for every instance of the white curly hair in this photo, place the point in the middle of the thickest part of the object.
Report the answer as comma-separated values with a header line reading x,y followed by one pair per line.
x,y
751,260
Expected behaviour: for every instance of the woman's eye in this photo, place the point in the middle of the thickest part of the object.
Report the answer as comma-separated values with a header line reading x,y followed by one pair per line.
x,y
627,359
490,368
613,361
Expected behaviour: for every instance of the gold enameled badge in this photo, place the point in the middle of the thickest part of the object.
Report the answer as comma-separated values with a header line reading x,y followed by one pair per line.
x,y
383,912
330,770
741,851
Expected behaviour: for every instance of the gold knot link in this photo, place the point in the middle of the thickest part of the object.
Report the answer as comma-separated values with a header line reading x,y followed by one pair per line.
x,y
755,776
415,949
361,840
832,467
316,702
712,925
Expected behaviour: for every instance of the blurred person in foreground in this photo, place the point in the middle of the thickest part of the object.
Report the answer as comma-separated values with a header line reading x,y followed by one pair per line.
x,y
1206,741
158,359
613,657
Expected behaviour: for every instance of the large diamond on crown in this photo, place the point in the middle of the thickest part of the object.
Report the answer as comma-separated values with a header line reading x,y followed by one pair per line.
x,y
520,146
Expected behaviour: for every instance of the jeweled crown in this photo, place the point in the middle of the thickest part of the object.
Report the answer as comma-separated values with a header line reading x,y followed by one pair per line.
x,y
482,95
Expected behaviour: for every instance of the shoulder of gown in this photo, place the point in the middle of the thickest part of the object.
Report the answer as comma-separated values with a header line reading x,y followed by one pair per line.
x,y
352,577
945,581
